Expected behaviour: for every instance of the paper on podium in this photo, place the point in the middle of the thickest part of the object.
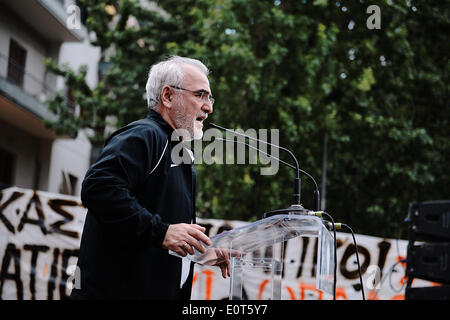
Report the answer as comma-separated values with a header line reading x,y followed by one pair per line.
x,y
241,241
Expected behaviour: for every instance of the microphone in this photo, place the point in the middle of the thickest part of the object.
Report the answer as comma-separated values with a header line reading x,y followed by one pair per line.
x,y
316,188
297,181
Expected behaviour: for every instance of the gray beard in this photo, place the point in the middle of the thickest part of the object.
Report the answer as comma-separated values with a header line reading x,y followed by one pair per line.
x,y
184,123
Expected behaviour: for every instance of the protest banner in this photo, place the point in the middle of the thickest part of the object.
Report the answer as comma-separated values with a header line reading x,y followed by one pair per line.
x,y
40,234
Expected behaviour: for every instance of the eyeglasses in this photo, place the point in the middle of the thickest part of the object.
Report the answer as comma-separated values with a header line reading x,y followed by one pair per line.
x,y
202,94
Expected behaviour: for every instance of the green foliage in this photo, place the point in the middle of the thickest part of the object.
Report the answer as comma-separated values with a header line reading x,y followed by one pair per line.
x,y
304,67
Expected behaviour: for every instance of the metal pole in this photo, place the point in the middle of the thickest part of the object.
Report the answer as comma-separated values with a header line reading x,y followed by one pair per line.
x,y
324,169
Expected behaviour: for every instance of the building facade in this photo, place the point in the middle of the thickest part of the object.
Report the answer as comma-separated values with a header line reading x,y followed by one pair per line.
x,y
32,156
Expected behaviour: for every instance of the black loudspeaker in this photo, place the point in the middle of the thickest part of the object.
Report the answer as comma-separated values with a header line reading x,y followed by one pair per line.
x,y
428,293
429,223
429,261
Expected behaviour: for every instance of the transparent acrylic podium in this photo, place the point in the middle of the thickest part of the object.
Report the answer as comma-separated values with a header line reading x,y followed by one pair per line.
x,y
237,246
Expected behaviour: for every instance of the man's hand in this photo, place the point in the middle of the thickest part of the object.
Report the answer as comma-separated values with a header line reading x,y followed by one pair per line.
x,y
182,238
223,259
223,262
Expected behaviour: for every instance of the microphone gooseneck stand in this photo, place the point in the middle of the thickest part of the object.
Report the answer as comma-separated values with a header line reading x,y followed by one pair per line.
x,y
296,207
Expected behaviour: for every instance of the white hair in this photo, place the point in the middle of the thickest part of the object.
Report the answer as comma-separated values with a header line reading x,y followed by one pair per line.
x,y
168,72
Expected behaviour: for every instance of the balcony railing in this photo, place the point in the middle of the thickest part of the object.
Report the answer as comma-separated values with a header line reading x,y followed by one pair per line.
x,y
27,89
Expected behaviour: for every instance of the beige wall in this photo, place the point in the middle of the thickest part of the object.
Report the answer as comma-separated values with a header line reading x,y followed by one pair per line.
x,y
37,49
25,148
71,156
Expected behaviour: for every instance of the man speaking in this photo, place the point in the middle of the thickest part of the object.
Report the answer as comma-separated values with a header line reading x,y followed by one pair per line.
x,y
140,203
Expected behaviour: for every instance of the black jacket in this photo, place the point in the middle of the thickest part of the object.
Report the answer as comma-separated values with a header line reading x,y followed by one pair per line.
x,y
133,192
